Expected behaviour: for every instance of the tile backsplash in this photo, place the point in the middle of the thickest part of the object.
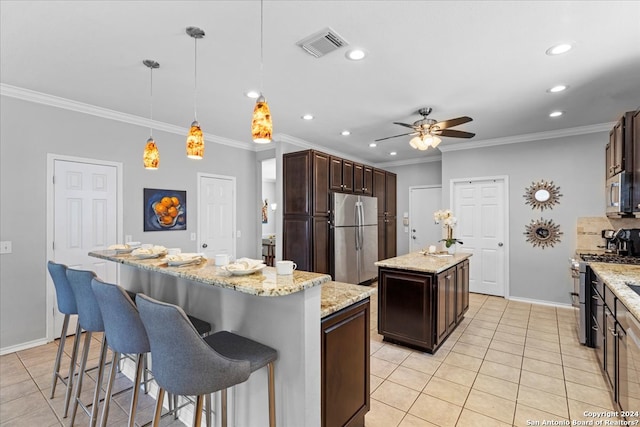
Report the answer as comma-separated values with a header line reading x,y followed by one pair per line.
x,y
589,230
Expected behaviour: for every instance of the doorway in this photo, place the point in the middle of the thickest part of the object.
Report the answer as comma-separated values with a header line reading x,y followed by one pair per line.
x,y
480,204
423,231
217,215
84,205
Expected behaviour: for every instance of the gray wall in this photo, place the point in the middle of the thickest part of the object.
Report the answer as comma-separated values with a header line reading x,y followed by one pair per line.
x,y
29,131
410,176
576,165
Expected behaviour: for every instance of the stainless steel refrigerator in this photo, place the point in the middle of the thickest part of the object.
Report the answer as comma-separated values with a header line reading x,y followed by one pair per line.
x,y
355,238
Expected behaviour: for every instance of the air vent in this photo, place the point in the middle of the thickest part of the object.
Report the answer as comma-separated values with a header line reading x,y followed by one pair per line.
x,y
322,42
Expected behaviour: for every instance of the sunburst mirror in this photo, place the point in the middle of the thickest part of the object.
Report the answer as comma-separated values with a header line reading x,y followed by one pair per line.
x,y
542,194
543,233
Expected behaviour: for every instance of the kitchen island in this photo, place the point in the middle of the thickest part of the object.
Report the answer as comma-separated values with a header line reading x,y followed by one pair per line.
x,y
284,312
422,298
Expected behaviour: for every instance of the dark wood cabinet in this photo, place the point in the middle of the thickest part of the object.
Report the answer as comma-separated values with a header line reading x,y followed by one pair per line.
x,y
309,177
635,142
462,289
345,366
421,309
341,175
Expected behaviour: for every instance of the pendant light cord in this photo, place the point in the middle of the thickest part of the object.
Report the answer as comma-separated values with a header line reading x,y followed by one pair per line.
x,y
195,79
151,102
261,46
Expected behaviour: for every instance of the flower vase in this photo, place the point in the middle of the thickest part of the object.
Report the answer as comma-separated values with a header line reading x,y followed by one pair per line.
x,y
452,249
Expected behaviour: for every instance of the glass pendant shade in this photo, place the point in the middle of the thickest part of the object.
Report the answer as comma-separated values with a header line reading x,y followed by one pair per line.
x,y
261,124
435,141
151,155
414,142
195,142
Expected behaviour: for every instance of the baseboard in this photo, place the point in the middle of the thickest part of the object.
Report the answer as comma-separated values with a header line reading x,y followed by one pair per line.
x,y
540,302
23,346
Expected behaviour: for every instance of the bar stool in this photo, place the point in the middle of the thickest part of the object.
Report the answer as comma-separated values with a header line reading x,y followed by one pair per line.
x,y
67,306
90,319
186,364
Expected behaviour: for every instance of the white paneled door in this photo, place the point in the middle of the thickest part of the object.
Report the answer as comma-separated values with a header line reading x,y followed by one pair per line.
x,y
85,219
216,215
423,231
480,206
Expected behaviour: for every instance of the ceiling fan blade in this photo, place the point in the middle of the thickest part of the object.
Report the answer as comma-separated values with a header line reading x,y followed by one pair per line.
x,y
453,122
395,136
454,133
403,124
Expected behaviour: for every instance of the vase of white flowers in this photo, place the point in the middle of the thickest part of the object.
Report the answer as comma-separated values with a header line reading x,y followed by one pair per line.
x,y
448,223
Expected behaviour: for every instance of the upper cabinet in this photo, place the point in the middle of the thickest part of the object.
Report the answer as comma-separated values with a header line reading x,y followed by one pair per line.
x,y
362,179
635,138
622,160
341,175
615,149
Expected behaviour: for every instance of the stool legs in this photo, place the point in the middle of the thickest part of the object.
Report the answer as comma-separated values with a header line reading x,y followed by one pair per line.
x,y
223,410
272,395
93,416
56,366
197,411
72,370
158,411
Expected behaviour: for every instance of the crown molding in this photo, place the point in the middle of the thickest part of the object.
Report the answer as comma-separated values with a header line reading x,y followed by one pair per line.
x,y
528,137
283,137
417,161
105,113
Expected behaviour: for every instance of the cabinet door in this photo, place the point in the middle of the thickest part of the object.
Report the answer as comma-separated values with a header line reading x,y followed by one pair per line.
x,y
345,366
347,176
379,180
390,237
390,194
321,203
358,178
446,303
405,307
618,146
382,232
610,344
321,255
296,241
608,155
368,180
297,183
462,289
335,174
635,141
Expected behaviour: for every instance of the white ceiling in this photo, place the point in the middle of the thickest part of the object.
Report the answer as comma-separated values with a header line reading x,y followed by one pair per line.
x,y
483,59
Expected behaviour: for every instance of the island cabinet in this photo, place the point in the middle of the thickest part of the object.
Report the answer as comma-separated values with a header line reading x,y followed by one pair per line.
x,y
422,300
345,366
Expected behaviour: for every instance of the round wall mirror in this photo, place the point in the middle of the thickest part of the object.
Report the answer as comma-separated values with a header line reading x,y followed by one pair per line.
x,y
543,233
542,194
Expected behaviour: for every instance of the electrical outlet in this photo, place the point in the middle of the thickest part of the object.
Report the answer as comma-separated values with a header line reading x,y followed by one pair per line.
x,y
128,238
5,247
238,234
193,237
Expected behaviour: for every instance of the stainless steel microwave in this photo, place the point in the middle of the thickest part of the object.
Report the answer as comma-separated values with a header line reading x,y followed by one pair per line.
x,y
618,195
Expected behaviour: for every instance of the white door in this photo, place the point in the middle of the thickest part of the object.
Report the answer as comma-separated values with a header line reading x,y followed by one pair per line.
x,y
216,215
85,219
423,231
480,206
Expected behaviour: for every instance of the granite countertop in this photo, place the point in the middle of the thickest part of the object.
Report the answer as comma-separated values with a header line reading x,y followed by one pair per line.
x,y
616,277
417,261
264,283
338,295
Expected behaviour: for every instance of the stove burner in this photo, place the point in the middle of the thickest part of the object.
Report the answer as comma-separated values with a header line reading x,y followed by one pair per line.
x,y
611,258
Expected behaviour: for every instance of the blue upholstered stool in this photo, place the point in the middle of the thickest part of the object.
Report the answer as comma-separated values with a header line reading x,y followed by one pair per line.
x,y
180,357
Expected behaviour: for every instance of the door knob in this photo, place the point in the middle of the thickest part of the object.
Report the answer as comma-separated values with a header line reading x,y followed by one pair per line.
x,y
413,229
413,237
500,244
204,245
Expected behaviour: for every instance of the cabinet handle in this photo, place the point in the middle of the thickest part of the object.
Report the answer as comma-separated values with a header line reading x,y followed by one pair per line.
x,y
595,328
595,297
613,332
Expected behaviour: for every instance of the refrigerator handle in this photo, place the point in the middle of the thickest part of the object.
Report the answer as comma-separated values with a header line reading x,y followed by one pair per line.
x,y
357,222
361,225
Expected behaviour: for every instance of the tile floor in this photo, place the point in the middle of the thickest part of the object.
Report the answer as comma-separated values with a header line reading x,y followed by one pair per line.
x,y
508,363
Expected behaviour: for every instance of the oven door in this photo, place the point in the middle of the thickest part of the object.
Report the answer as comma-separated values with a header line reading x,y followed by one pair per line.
x,y
578,295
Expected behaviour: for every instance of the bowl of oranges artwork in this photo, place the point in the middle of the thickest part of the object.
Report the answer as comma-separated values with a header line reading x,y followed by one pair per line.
x,y
166,211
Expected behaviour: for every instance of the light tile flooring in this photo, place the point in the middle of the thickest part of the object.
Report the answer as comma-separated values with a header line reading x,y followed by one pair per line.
x,y
508,363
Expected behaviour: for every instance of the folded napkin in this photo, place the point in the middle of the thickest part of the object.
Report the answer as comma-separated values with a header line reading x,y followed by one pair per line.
x,y
183,257
151,251
118,247
244,264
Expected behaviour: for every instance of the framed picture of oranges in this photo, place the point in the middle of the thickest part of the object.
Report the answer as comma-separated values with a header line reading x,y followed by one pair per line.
x,y
165,210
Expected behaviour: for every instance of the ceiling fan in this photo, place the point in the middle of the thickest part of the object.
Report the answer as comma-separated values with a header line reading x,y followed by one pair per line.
x,y
428,131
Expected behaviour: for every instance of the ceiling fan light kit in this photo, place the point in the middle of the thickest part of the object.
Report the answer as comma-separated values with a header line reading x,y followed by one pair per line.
x,y
427,131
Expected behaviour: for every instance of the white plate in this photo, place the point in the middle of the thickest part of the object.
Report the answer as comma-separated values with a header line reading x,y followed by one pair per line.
x,y
148,256
124,251
245,272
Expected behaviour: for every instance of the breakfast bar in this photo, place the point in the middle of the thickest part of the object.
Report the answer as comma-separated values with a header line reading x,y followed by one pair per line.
x,y
422,298
282,312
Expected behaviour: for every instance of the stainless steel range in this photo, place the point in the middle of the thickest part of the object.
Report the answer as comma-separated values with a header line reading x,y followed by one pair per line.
x,y
580,288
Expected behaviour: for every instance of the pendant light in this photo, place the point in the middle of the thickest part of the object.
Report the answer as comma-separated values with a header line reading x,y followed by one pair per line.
x,y
151,155
195,139
261,124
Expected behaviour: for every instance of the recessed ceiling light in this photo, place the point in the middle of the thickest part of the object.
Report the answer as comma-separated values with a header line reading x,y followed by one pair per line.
x,y
373,144
558,88
355,54
307,117
252,94
393,153
556,113
559,49
345,133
